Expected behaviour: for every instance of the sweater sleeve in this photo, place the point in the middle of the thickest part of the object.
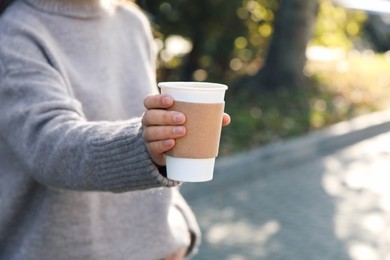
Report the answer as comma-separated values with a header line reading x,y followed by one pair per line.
x,y
45,126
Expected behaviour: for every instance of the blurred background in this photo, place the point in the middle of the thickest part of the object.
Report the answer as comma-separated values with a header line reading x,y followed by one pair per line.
x,y
291,66
294,68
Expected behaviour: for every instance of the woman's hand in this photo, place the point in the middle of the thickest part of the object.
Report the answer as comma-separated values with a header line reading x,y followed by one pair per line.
x,y
162,127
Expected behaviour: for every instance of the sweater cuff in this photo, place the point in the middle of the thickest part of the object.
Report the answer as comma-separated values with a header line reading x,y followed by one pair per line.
x,y
120,161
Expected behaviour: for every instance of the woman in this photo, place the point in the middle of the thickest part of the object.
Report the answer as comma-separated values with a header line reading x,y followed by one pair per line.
x,y
81,173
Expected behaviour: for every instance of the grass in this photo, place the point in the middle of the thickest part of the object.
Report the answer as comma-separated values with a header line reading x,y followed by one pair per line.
x,y
339,90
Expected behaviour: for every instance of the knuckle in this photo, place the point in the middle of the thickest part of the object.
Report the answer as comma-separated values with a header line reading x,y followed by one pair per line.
x,y
163,132
147,101
166,116
146,134
151,101
157,133
143,120
146,119
168,132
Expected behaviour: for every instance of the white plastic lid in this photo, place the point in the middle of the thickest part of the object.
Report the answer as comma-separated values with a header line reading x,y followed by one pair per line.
x,y
197,92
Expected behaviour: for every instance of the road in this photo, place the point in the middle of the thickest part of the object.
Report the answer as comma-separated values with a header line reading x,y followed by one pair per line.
x,y
301,200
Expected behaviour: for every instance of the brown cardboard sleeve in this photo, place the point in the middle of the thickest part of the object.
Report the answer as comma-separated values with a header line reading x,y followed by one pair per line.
x,y
203,125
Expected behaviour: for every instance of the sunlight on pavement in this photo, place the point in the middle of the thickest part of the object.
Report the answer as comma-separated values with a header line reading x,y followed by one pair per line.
x,y
242,232
359,181
333,205
236,233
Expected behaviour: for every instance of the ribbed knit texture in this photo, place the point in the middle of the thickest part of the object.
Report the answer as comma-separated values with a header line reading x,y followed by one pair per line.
x,y
116,157
76,181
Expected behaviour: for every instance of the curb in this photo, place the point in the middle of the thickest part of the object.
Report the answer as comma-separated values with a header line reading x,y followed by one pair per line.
x,y
243,167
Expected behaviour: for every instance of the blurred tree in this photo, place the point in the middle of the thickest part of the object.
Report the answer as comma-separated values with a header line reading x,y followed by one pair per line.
x,y
286,58
378,32
211,26
227,37
230,40
337,27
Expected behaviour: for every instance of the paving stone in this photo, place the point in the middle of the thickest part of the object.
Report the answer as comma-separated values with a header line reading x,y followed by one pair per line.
x,y
333,206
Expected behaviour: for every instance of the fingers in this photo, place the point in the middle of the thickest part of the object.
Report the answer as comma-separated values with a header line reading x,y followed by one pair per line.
x,y
158,116
156,133
158,148
226,119
158,101
161,127
162,117
160,139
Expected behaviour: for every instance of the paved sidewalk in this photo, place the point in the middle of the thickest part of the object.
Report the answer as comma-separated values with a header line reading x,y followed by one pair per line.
x,y
324,196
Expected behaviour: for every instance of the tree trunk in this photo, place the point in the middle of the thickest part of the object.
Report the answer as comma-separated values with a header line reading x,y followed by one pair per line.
x,y
378,32
192,60
286,57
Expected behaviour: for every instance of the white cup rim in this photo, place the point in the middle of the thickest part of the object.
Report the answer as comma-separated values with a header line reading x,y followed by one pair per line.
x,y
193,85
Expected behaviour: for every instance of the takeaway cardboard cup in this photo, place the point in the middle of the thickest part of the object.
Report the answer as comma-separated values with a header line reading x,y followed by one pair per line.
x,y
193,156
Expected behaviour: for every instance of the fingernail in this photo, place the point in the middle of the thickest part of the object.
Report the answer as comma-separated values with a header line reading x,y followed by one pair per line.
x,y
178,130
167,101
167,142
178,118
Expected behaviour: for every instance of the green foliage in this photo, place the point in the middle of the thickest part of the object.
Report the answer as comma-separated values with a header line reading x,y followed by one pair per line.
x,y
338,90
227,37
263,119
228,40
337,26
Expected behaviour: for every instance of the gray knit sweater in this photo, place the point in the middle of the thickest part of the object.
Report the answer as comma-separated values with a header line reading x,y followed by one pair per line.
x,y
76,181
